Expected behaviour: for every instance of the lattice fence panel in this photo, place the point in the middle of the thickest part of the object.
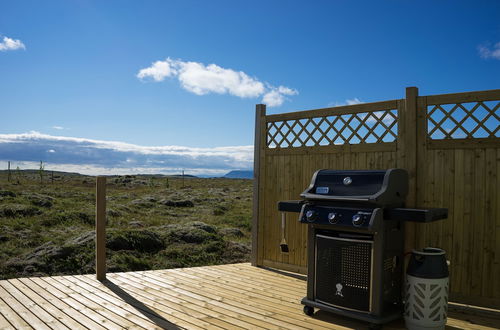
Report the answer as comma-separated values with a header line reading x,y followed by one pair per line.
x,y
357,128
464,120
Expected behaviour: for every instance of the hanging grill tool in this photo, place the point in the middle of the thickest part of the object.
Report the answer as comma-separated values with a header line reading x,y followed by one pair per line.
x,y
283,243
355,241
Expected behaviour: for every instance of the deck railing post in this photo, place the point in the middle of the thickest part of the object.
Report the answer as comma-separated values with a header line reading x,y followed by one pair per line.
x,y
259,143
407,153
100,228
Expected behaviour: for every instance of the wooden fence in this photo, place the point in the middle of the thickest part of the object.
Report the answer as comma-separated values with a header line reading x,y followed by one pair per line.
x,y
450,145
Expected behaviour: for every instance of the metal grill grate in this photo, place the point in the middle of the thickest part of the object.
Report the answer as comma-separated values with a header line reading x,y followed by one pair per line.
x,y
343,272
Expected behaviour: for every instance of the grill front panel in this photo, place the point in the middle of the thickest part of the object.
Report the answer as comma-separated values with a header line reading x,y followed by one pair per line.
x,y
343,272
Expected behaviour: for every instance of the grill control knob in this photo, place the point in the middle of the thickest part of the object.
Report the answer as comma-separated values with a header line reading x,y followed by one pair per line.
x,y
333,218
310,215
357,220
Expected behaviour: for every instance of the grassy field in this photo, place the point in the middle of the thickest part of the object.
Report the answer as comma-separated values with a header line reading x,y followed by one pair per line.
x,y
153,222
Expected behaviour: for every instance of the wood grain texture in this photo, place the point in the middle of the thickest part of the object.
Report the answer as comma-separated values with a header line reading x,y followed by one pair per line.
x,y
100,228
356,108
489,95
260,113
461,174
236,296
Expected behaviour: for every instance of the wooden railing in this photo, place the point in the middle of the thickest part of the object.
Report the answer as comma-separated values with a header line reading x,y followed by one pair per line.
x,y
100,228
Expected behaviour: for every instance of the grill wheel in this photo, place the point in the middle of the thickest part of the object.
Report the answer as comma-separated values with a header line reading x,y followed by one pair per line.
x,y
308,310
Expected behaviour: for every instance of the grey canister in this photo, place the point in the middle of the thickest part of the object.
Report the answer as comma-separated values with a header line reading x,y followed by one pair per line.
x,y
426,294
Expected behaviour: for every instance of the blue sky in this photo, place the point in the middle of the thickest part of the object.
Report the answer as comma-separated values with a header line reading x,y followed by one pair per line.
x,y
188,73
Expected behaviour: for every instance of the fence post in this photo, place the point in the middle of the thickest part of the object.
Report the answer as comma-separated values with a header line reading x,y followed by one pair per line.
x,y
260,115
100,228
407,154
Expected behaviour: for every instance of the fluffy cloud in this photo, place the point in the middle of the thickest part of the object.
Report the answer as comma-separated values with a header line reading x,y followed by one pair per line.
x,y
202,79
60,151
11,44
487,52
346,102
276,96
353,101
158,71
89,169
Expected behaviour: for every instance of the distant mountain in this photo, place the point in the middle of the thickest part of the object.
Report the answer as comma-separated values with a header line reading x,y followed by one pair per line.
x,y
239,175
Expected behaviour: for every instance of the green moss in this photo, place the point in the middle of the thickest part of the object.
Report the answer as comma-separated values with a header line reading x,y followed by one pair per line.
x,y
49,227
140,240
125,261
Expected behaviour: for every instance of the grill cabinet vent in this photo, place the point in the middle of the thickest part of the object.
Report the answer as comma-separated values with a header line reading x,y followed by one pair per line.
x,y
343,272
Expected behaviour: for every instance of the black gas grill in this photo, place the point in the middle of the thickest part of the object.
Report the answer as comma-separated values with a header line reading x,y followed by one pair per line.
x,y
355,241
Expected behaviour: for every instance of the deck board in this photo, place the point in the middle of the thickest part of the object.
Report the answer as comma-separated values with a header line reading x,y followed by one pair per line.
x,y
227,295
46,305
235,296
234,319
45,316
46,292
21,310
82,304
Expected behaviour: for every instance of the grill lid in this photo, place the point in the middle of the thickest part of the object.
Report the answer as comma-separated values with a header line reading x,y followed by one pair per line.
x,y
381,187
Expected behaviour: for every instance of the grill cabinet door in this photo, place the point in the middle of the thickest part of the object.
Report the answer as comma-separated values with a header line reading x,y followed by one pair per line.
x,y
343,272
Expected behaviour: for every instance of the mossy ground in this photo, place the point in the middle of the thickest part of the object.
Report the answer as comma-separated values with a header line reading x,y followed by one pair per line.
x,y
153,222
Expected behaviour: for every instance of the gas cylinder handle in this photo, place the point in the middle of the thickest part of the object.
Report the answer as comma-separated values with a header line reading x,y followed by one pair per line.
x,y
429,251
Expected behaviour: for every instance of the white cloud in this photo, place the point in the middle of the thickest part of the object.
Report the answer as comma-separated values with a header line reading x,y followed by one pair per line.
x,y
353,101
60,128
89,169
487,52
158,71
11,44
273,98
33,146
346,102
238,152
376,116
276,96
202,79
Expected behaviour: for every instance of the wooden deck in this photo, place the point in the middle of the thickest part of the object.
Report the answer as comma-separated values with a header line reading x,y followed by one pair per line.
x,y
226,296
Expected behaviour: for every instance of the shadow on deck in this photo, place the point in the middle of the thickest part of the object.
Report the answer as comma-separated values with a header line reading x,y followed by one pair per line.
x,y
236,296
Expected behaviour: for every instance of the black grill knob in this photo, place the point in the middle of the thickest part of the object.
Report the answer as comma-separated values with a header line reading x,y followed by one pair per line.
x,y
311,215
357,220
333,218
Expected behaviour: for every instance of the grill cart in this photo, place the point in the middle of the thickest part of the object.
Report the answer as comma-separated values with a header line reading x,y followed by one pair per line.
x,y
355,241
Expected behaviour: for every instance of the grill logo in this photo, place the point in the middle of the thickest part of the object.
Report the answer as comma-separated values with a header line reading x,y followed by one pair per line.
x,y
322,190
339,290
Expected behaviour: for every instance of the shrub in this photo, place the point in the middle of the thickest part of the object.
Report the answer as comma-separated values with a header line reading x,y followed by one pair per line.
x,y
18,210
219,210
140,240
40,200
7,193
125,261
66,217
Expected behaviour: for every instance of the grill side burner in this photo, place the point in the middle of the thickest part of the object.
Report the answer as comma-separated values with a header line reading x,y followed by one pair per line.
x,y
355,241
